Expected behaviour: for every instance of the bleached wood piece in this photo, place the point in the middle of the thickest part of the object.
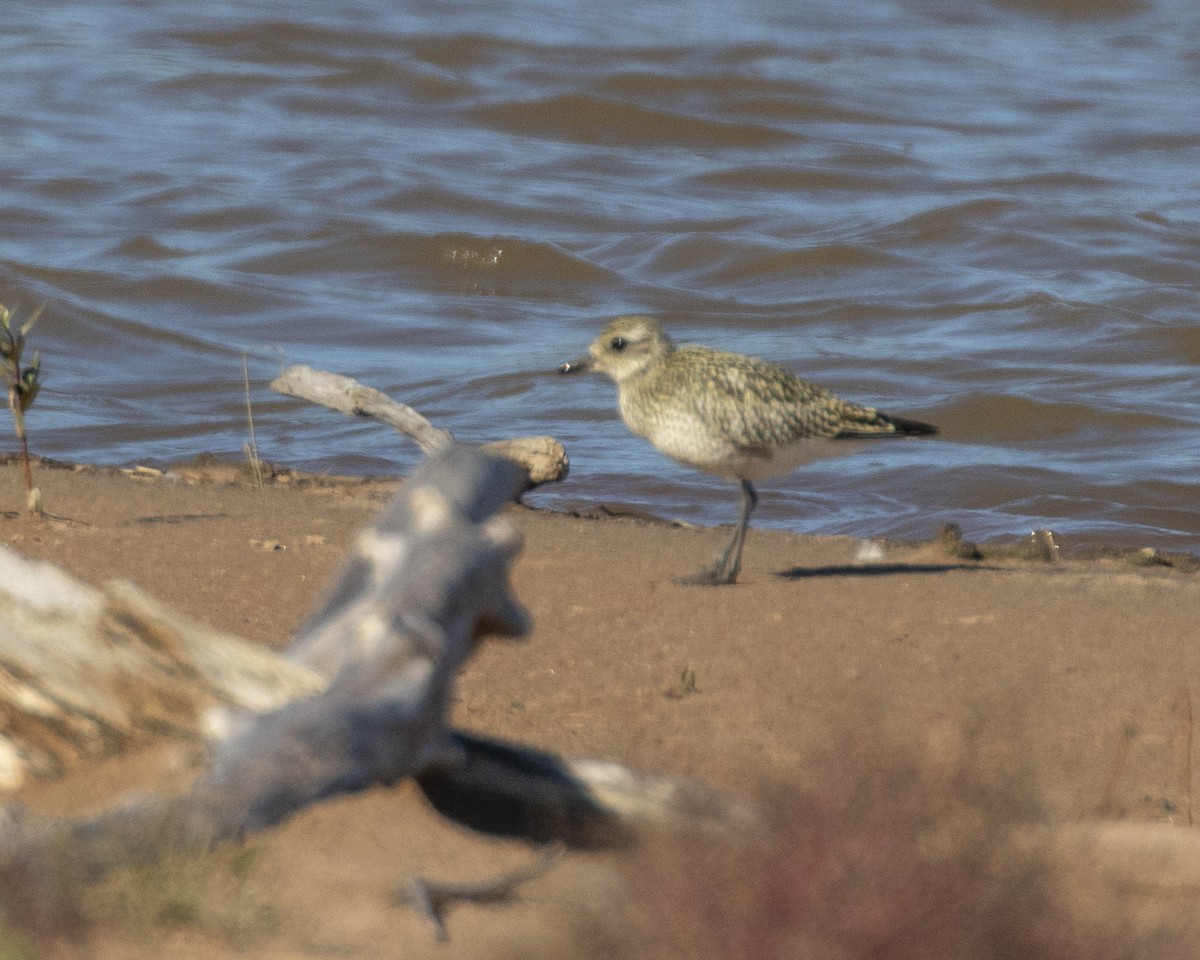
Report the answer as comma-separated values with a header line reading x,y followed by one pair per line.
x,y
86,671
360,697
543,458
350,397
424,583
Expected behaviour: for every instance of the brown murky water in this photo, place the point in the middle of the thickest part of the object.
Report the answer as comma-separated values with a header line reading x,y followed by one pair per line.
x,y
981,214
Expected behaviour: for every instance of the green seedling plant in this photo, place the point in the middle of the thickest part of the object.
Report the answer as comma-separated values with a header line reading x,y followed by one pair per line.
x,y
23,383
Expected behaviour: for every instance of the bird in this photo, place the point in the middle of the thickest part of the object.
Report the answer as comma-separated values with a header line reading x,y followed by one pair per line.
x,y
728,414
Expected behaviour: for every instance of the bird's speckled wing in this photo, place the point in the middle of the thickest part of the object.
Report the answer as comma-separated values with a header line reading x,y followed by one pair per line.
x,y
758,404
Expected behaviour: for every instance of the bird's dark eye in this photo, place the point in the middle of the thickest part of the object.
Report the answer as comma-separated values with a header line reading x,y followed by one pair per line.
x,y
618,343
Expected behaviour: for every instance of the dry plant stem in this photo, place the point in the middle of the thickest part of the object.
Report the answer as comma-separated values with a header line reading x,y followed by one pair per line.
x,y
33,496
19,419
543,458
251,449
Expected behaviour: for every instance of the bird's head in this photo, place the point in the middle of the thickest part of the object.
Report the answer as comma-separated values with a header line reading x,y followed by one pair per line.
x,y
626,347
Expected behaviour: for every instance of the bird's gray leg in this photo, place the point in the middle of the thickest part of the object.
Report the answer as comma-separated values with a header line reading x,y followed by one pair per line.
x,y
725,568
731,559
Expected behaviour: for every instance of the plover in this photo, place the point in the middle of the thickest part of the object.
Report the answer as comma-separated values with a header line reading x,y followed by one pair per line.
x,y
726,413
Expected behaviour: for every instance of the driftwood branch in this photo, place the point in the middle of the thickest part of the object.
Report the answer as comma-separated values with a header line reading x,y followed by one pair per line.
x,y
348,396
360,698
430,898
543,458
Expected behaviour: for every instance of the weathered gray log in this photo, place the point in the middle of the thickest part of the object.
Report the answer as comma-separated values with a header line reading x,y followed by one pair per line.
x,y
543,458
437,554
425,583
360,698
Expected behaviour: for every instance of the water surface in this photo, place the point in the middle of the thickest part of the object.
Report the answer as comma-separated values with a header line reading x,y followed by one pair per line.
x,y
984,215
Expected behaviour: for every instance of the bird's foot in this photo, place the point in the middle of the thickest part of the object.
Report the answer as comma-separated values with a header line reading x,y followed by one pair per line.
x,y
714,576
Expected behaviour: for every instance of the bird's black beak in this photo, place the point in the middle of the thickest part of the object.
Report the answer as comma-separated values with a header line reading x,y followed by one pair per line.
x,y
582,365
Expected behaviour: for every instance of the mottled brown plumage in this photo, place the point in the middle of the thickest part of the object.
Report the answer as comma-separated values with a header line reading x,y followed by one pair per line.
x,y
726,413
